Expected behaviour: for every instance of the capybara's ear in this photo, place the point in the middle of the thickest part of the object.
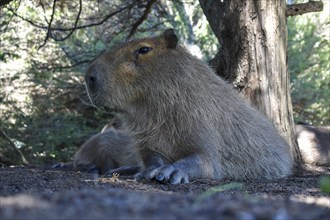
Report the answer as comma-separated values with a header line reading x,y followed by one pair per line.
x,y
170,38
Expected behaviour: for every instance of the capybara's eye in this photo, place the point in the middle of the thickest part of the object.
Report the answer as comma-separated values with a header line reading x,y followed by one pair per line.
x,y
143,50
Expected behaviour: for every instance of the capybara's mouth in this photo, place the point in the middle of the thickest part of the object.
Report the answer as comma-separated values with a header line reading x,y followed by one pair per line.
x,y
111,110
97,102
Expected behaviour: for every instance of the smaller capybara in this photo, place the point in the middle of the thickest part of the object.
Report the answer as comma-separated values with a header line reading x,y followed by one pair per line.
x,y
112,149
187,123
314,144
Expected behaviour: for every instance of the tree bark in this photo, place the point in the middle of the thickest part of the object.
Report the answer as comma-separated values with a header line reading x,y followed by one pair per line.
x,y
299,9
252,56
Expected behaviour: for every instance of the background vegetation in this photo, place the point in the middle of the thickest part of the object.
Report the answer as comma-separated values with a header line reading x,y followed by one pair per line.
x,y
44,110
309,66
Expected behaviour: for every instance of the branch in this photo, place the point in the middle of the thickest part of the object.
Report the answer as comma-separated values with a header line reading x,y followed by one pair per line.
x,y
49,26
299,9
141,19
12,144
10,19
68,29
75,24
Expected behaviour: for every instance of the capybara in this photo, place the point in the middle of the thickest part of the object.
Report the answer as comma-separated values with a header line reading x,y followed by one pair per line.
x,y
187,123
314,144
112,149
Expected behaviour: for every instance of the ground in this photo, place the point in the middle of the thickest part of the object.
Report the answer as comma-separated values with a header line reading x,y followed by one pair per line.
x,y
46,193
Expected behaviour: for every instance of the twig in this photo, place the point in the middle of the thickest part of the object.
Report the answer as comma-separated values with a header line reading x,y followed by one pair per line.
x,y
75,24
141,19
49,26
299,9
68,29
12,144
10,19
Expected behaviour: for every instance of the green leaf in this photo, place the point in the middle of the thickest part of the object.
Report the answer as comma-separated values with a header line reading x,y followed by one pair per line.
x,y
325,184
220,188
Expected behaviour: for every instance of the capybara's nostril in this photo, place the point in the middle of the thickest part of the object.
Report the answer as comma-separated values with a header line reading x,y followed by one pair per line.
x,y
92,79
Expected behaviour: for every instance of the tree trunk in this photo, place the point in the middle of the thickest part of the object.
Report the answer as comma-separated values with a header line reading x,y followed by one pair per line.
x,y
252,56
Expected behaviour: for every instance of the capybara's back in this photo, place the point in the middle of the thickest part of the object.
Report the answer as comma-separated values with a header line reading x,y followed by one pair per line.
x,y
314,144
187,122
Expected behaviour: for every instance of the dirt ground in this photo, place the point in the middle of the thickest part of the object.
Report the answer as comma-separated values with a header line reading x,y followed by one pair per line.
x,y
46,193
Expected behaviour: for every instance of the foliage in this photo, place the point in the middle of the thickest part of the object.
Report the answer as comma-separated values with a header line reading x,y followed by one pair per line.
x,y
325,184
44,107
308,62
46,119
191,24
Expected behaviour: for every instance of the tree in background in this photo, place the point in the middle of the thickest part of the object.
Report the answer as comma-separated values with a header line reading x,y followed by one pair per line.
x,y
252,56
47,38
308,63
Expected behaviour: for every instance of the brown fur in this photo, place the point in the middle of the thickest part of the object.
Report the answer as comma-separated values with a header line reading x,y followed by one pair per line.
x,y
108,150
314,144
186,121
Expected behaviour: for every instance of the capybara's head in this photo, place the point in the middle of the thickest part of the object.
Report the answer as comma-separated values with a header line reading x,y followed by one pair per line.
x,y
131,72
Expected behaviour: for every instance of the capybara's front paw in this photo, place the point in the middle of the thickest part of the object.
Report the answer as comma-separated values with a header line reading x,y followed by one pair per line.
x,y
145,174
165,174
